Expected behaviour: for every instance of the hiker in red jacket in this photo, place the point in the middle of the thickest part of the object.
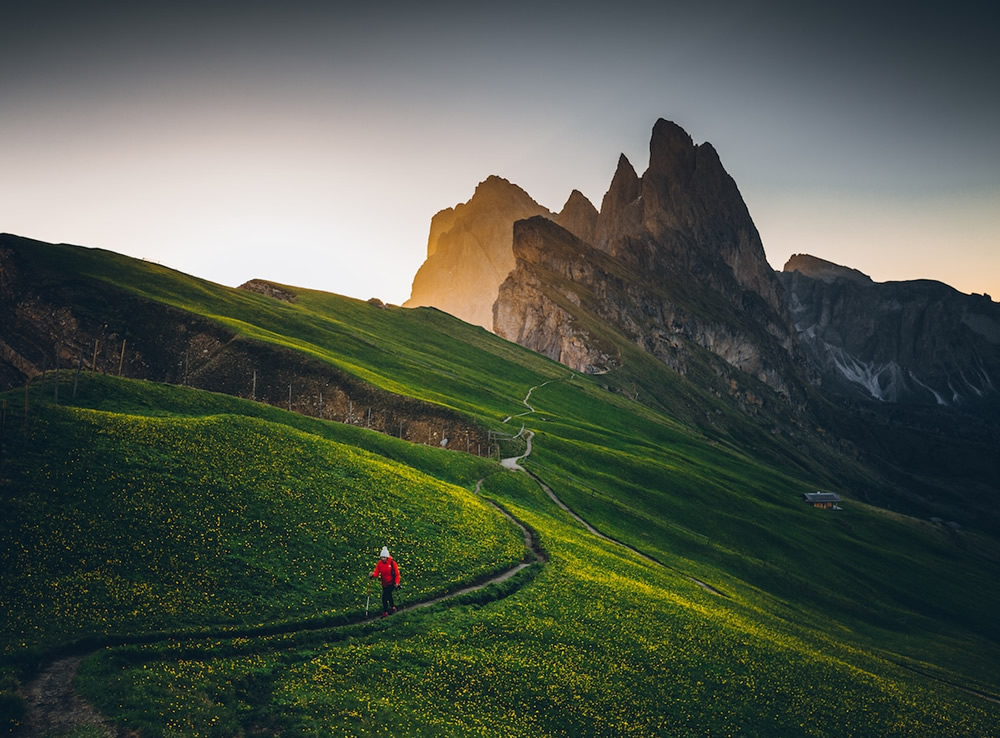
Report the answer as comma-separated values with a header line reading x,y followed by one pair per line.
x,y
388,571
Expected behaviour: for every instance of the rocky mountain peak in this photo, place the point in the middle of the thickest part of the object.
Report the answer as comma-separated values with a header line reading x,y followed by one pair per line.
x,y
682,223
579,216
496,191
619,209
917,342
624,189
671,150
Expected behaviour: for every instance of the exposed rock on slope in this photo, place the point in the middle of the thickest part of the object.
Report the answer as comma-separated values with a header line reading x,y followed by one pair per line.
x,y
916,342
579,217
694,220
674,265
540,308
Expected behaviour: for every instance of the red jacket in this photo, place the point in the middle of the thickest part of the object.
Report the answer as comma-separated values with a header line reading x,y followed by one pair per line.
x,y
388,571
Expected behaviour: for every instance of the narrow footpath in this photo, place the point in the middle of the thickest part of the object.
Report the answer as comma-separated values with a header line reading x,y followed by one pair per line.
x,y
514,464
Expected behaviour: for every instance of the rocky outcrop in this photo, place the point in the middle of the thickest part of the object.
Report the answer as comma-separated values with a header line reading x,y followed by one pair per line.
x,y
826,271
915,342
576,304
621,211
268,289
673,264
688,216
469,252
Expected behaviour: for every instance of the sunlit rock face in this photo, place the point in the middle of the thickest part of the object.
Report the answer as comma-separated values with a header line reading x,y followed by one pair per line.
x,y
469,252
672,263
915,342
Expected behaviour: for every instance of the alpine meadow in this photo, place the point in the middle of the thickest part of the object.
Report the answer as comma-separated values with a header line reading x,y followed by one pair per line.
x,y
188,535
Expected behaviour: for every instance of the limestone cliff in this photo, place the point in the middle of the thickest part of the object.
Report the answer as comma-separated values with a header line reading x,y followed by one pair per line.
x,y
673,265
540,307
580,306
579,217
686,215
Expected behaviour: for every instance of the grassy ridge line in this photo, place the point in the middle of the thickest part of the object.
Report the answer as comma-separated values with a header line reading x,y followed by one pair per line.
x,y
423,354
641,474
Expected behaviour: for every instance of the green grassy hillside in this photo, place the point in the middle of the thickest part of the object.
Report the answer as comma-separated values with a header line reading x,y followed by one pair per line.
x,y
123,523
137,508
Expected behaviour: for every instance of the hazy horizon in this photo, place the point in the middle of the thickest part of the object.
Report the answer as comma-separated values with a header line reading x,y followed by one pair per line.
x,y
311,146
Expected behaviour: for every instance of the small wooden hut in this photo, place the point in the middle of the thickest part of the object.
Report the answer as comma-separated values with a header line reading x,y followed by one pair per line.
x,y
823,500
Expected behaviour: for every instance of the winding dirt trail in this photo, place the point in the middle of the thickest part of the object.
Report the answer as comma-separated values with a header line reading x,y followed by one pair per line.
x,y
54,706
514,464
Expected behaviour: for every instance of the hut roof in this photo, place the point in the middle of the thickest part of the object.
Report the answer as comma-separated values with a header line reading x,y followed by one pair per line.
x,y
821,497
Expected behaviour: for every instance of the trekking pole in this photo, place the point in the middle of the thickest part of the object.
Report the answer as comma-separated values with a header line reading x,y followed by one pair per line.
x,y
368,601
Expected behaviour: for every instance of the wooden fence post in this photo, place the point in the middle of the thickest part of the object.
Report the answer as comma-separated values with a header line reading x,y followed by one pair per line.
x,y
27,403
76,377
3,423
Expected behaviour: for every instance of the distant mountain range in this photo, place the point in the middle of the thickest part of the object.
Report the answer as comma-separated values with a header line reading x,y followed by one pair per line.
x,y
673,261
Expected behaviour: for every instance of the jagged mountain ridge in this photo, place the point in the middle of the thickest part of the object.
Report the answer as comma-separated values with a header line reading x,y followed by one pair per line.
x,y
675,271
699,280
686,215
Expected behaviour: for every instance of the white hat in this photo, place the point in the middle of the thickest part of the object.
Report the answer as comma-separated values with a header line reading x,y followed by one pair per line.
x,y
385,551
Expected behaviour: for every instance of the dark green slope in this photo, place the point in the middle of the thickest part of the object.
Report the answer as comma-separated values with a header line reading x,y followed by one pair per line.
x,y
821,623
